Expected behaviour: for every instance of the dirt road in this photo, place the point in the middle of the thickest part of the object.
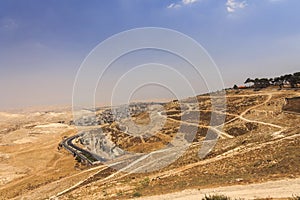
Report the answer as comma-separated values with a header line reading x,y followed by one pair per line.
x,y
275,189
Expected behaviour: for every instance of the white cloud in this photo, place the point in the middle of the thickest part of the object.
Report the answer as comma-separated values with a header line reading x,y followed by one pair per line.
x,y
233,5
174,5
229,9
185,2
181,3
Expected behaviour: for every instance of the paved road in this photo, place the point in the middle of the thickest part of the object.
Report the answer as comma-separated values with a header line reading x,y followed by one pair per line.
x,y
75,150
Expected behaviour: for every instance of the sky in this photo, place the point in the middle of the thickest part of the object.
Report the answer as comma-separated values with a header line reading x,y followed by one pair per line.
x,y
43,43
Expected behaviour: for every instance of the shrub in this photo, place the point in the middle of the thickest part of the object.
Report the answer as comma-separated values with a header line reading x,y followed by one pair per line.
x,y
216,197
137,194
144,183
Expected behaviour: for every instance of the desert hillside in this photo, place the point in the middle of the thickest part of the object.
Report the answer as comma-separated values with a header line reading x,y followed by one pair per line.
x,y
259,141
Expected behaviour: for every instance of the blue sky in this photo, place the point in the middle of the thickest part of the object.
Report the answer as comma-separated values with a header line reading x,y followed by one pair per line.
x,y
42,43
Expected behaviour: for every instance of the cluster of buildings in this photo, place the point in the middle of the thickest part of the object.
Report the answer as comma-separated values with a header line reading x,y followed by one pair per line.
x,y
108,116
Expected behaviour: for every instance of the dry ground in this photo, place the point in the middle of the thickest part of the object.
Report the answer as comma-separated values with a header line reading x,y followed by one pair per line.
x,y
29,155
258,143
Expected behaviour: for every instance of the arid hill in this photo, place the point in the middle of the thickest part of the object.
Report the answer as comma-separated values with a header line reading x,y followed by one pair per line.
x,y
258,141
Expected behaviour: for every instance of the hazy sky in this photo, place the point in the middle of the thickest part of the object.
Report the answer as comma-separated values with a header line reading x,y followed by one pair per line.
x,y
43,43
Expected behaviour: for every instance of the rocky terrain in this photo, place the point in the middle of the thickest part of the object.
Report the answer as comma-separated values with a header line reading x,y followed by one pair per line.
x,y
255,139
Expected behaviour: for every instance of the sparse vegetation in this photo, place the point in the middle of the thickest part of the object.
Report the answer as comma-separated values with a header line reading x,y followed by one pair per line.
x,y
137,194
145,182
216,197
120,193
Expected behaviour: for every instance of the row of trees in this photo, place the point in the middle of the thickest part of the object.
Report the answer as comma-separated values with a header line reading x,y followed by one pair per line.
x,y
289,79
